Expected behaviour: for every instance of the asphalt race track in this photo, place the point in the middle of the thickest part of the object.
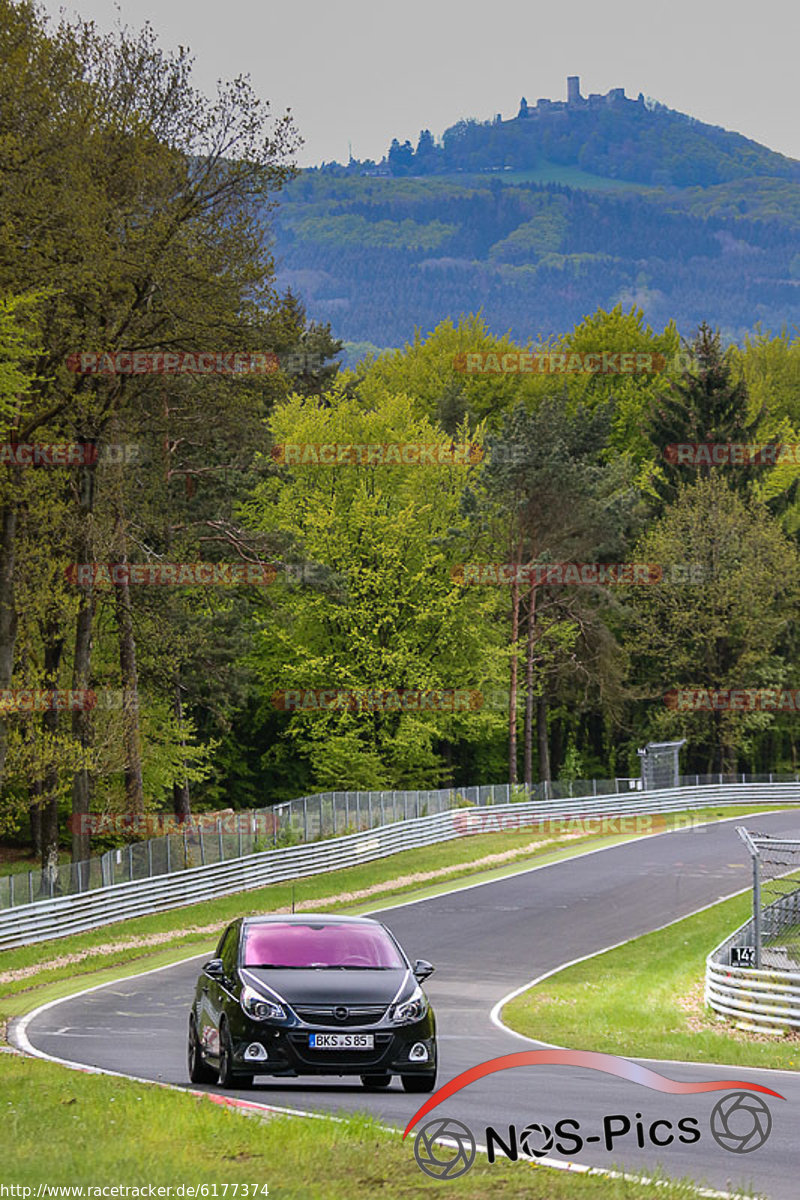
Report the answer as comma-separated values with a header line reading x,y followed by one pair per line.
x,y
486,941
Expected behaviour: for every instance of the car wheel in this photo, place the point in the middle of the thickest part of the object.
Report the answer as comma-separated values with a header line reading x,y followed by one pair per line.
x,y
199,1070
226,1077
374,1083
225,1073
419,1083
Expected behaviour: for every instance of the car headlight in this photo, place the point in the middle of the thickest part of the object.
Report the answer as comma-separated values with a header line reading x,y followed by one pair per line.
x,y
412,1009
257,1008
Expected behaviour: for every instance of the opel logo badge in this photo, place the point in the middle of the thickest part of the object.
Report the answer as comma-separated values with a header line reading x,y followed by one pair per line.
x,y
341,1013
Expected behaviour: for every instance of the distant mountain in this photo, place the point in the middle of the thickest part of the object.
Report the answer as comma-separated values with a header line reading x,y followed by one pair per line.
x,y
570,206
608,135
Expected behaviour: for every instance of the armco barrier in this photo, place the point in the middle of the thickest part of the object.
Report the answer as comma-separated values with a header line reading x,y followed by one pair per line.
x,y
63,915
761,1001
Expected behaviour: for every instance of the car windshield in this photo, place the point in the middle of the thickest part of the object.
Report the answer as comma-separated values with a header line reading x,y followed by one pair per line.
x,y
342,947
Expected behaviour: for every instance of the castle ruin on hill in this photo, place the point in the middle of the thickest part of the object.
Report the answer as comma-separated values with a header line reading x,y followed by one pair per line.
x,y
576,102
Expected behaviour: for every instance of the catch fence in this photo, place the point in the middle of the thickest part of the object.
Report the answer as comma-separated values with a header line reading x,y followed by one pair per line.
x,y
203,842
60,915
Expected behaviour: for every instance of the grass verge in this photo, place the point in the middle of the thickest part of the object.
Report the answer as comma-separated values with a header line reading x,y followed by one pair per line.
x,y
102,1130
30,975
645,999
144,942
66,1128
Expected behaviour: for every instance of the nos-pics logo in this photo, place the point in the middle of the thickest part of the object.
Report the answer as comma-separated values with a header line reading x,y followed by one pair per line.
x,y
740,1122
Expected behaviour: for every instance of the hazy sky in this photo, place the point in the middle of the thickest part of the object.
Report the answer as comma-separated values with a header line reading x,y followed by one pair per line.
x,y
364,71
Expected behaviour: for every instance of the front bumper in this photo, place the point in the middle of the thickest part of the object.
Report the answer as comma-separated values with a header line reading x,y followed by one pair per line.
x,y
287,1050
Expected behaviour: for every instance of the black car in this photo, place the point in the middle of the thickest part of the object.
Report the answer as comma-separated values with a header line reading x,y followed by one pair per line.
x,y
312,995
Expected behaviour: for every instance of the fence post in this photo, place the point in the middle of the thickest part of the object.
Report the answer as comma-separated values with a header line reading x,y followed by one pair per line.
x,y
11,891
185,849
219,840
305,818
130,861
169,857
30,887
754,854
369,803
202,847
757,908
150,858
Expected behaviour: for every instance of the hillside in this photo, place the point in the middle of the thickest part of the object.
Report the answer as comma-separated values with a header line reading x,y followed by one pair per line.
x,y
608,135
543,218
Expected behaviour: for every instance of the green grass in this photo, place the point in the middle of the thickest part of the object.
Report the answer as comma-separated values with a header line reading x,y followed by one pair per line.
x,y
570,176
103,1130
21,866
123,947
66,1128
645,999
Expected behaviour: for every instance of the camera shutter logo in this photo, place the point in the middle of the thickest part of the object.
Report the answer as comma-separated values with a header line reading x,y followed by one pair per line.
x,y
444,1162
740,1122
536,1140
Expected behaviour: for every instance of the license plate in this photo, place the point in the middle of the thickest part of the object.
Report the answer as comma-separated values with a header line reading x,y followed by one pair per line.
x,y
341,1041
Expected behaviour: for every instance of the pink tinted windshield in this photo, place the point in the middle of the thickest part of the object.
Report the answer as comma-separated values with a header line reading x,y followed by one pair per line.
x,y
278,945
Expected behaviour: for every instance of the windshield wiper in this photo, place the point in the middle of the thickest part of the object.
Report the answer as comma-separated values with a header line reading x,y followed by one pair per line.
x,y
272,966
313,967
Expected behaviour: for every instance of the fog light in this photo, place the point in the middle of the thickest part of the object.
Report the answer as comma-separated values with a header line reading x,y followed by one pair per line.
x,y
255,1052
418,1052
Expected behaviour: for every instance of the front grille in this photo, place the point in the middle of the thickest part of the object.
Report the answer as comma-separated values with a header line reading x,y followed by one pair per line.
x,y
357,1015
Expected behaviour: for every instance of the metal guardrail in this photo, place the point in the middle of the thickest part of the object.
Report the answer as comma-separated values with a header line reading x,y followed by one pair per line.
x,y
759,1000
64,915
765,997
205,840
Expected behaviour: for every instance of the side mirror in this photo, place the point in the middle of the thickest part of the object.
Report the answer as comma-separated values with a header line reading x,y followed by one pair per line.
x,y
214,968
422,969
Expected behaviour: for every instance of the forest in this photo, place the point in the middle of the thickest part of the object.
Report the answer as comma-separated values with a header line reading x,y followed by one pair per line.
x,y
172,578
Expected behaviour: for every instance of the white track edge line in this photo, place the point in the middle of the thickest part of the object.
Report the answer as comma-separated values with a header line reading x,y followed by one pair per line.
x,y
18,1028
496,1019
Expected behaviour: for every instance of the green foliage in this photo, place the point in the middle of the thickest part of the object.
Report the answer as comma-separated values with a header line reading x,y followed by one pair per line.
x,y
349,229
541,234
572,767
395,621
722,624
18,336
708,403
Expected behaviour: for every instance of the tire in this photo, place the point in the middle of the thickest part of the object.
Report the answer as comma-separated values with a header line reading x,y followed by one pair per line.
x,y
376,1083
419,1083
225,1073
199,1070
225,1076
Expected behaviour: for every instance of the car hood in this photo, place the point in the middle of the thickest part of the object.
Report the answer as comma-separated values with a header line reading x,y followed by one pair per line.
x,y
326,986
